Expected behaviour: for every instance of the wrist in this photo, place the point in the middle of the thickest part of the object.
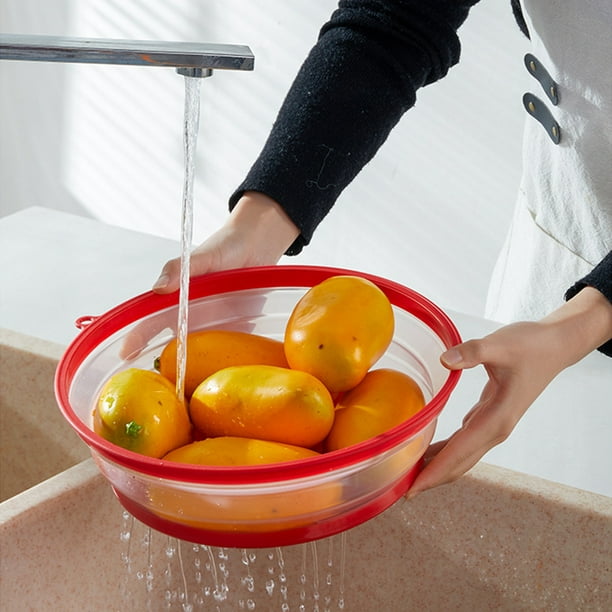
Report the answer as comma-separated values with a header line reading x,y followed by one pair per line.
x,y
265,226
581,325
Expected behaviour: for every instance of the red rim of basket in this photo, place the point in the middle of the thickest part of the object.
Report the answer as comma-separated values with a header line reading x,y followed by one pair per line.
x,y
237,280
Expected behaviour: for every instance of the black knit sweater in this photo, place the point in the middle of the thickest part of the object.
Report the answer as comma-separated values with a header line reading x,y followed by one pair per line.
x,y
356,83
354,86
600,278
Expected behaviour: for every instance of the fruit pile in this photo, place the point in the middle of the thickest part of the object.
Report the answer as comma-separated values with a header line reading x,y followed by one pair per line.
x,y
255,400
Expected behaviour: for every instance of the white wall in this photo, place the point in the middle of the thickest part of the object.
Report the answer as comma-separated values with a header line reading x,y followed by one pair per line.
x,y
430,211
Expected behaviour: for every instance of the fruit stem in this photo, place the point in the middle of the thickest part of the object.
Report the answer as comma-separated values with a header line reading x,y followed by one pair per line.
x,y
133,429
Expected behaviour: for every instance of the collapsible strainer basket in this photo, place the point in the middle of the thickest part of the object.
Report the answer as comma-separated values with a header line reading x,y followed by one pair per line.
x,y
262,505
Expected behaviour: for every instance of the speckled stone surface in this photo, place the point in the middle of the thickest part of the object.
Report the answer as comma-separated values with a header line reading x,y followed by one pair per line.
x,y
495,540
35,440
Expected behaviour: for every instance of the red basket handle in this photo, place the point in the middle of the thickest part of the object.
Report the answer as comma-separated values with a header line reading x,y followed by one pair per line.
x,y
85,321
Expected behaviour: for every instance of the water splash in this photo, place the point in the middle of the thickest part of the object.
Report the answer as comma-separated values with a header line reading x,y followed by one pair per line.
x,y
169,574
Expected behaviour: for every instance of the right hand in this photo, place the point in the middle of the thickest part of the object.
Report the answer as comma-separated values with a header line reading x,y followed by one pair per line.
x,y
256,233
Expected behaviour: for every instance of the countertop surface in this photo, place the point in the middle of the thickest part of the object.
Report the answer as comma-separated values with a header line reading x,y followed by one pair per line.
x,y
57,267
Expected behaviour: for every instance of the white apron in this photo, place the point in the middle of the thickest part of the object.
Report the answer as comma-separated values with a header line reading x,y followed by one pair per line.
x,y
562,225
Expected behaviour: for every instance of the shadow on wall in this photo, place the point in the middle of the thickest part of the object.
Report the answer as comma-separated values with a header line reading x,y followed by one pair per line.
x,y
430,211
34,105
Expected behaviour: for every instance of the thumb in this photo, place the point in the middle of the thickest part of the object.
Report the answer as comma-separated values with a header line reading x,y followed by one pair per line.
x,y
465,355
169,277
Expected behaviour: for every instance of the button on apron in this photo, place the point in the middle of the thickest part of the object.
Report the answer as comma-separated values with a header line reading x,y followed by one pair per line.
x,y
538,109
537,70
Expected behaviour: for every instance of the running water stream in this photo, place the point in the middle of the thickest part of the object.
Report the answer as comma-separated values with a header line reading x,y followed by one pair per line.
x,y
191,124
178,575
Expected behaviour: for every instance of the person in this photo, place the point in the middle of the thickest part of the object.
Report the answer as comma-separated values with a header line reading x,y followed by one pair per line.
x,y
361,76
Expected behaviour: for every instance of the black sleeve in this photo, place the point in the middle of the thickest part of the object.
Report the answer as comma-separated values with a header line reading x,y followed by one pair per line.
x,y
358,80
601,279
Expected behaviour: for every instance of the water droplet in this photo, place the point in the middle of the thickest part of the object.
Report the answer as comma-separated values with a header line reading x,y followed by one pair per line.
x,y
250,604
220,593
249,583
270,587
244,557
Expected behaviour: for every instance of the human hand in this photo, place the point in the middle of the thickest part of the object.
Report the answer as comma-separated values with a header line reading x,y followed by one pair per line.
x,y
256,233
520,359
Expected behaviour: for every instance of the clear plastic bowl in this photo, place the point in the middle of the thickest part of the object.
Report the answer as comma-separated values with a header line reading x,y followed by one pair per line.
x,y
269,505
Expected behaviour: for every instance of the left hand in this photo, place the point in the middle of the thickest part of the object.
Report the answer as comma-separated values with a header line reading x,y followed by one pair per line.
x,y
521,359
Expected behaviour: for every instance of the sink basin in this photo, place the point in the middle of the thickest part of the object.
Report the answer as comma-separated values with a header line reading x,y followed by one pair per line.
x,y
496,539
35,440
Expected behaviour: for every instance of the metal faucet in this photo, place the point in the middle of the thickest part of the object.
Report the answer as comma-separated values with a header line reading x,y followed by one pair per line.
x,y
189,59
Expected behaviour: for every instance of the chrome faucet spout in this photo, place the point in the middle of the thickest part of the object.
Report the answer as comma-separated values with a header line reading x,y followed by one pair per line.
x,y
189,59
195,72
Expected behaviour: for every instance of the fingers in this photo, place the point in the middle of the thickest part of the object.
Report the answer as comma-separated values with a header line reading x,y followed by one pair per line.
x,y
143,332
446,466
486,425
448,460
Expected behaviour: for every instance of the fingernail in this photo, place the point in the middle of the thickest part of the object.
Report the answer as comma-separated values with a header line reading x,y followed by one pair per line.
x,y
451,357
161,282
